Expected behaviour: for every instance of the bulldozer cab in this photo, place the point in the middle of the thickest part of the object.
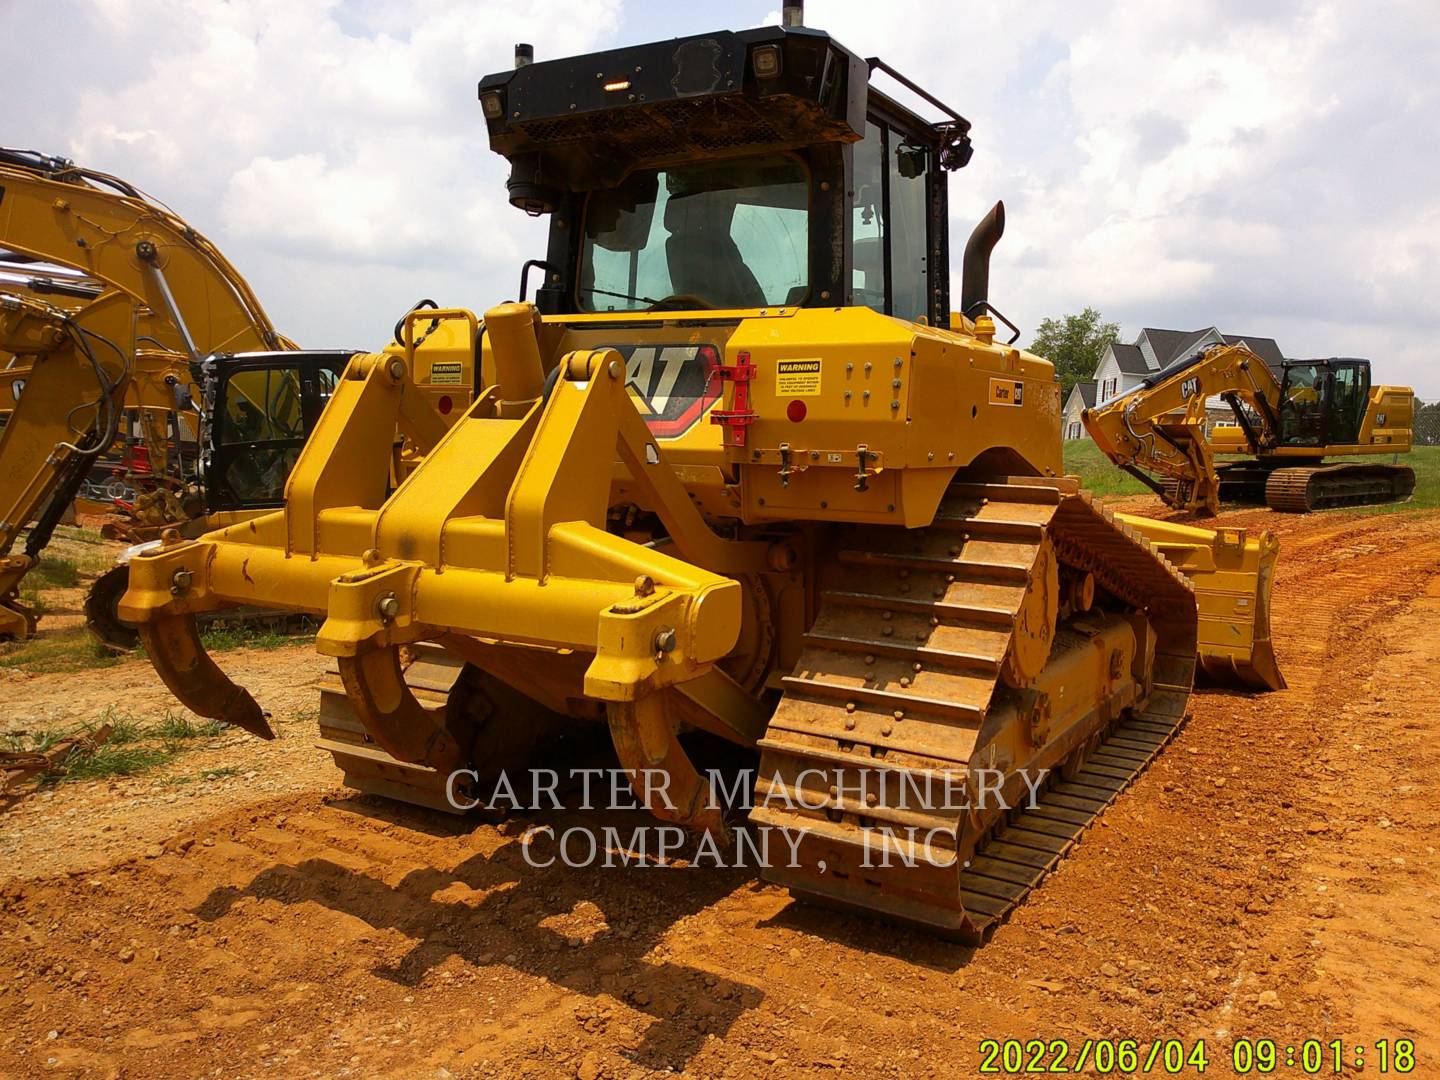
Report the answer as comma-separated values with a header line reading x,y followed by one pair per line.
x,y
1322,402
733,171
259,410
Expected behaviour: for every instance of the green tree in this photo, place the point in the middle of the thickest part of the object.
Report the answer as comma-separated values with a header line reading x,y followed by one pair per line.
x,y
1427,424
1074,344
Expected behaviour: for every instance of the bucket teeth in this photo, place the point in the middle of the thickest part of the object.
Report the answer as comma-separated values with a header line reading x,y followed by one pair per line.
x,y
173,643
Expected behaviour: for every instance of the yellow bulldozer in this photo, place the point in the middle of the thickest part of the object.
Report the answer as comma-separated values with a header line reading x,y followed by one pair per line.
x,y
738,468
1286,423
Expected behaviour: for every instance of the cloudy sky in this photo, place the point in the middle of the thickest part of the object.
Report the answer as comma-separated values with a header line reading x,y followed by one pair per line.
x,y
1265,166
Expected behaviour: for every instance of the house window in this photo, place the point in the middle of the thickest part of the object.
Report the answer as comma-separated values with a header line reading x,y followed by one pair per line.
x,y
1108,389
1074,429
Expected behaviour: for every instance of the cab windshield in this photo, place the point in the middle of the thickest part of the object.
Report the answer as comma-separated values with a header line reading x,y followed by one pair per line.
x,y
728,234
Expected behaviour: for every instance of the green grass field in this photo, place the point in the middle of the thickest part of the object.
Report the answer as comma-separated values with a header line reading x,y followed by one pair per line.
x,y
1098,475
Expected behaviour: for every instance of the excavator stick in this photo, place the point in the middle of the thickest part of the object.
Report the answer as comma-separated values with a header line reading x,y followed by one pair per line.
x,y
67,407
497,536
1233,573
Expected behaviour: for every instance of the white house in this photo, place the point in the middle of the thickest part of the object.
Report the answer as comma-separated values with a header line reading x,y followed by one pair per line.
x,y
1082,397
1123,367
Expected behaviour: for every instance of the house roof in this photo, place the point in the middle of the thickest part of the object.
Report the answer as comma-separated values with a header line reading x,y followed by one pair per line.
x,y
1172,345
1087,393
1167,344
1130,359
1263,347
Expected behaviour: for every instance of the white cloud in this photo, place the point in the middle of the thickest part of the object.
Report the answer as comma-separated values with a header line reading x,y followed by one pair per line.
x,y
335,151
1267,167
1264,166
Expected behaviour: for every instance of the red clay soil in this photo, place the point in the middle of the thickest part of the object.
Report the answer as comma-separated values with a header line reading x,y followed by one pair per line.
x,y
1272,875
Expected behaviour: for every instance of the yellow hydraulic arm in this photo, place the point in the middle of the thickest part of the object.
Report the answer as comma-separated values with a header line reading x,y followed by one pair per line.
x,y
1159,427
192,300
188,300
68,401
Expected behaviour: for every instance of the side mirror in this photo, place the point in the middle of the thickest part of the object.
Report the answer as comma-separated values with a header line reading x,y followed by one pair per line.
x,y
911,161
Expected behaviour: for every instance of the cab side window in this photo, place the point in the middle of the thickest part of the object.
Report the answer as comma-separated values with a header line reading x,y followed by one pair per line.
x,y
888,251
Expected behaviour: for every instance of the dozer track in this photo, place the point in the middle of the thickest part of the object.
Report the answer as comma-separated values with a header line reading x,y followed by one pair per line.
x,y
430,675
904,679
1301,489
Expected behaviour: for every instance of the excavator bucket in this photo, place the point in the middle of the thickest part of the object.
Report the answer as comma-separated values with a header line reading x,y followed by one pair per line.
x,y
1233,572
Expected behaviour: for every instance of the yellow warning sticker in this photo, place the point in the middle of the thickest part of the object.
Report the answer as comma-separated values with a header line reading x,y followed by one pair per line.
x,y
446,373
797,378
1007,392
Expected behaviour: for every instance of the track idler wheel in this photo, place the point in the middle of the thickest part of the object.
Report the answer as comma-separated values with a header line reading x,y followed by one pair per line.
x,y
505,726
102,611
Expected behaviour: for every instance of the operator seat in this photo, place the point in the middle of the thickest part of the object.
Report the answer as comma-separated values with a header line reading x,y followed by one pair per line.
x,y
703,257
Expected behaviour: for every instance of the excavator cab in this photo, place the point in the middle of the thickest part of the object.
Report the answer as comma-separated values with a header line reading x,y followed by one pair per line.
x,y
259,410
1322,402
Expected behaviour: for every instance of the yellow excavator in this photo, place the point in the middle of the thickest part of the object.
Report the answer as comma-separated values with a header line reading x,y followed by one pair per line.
x,y
1286,423
739,468
80,245
73,239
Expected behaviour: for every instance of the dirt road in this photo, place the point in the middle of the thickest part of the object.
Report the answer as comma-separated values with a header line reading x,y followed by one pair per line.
x,y
1274,874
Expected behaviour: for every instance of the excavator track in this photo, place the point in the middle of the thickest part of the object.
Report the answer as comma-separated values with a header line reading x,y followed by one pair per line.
x,y
905,677
1299,490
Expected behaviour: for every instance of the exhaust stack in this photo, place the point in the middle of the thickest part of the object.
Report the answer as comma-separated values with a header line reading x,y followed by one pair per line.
x,y
975,269
792,14
524,54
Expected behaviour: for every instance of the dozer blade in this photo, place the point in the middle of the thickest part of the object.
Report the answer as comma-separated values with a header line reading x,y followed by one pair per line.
x,y
1233,573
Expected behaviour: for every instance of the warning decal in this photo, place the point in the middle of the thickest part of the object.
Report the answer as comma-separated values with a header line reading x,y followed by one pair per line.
x,y
797,378
1007,392
447,373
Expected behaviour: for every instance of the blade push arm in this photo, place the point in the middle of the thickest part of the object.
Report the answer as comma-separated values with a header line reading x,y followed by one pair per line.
x,y
1158,428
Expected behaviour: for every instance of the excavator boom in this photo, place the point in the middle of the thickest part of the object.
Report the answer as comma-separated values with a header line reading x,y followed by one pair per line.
x,y
106,229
